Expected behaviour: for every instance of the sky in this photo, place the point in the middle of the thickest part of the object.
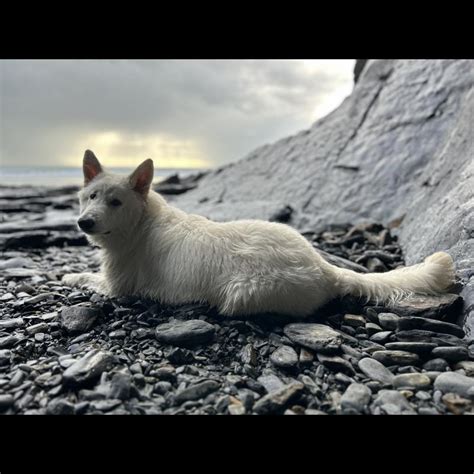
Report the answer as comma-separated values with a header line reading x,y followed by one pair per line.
x,y
180,113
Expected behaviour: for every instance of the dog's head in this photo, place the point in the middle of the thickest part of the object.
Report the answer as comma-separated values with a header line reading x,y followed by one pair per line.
x,y
110,205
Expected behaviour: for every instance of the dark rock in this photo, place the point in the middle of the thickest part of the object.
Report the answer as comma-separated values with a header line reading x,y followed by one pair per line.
x,y
439,365
120,386
445,307
317,337
389,321
285,357
276,401
36,328
354,320
6,401
88,368
337,364
282,215
375,370
453,382
355,398
185,333
422,348
451,354
372,328
249,355
434,325
78,318
60,407
8,342
198,391
389,358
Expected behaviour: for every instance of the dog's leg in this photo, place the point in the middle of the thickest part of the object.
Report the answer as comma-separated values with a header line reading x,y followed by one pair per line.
x,y
91,281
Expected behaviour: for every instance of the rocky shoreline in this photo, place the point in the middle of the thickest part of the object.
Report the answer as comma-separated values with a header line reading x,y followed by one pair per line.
x,y
68,351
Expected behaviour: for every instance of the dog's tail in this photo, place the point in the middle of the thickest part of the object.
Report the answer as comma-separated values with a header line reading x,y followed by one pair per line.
x,y
432,277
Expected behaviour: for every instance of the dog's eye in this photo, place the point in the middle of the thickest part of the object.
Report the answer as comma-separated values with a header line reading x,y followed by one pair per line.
x,y
115,203
92,196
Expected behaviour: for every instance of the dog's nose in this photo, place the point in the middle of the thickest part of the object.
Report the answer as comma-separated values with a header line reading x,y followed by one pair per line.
x,y
86,224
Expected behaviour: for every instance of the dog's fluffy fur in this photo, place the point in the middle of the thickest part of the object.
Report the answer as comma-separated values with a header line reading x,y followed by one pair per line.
x,y
155,250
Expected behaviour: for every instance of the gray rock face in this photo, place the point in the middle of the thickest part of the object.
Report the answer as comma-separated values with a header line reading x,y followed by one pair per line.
x,y
185,333
452,382
78,318
317,337
399,149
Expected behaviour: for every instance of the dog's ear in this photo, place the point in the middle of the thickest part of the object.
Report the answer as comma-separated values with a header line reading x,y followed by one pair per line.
x,y
90,166
142,177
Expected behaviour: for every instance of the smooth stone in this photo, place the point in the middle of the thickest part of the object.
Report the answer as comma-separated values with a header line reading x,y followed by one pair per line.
x,y
437,365
185,333
427,324
11,323
8,342
284,357
354,320
443,307
467,366
412,381
381,337
372,328
77,319
88,368
389,321
376,371
198,391
6,401
60,407
355,398
393,402
35,328
451,354
396,357
453,382
120,386
415,347
317,337
276,401
336,363
270,382
455,403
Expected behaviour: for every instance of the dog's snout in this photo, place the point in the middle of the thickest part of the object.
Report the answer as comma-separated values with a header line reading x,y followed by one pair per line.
x,y
86,224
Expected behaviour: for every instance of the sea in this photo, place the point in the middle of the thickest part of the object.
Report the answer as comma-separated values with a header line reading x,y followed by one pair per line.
x,y
71,176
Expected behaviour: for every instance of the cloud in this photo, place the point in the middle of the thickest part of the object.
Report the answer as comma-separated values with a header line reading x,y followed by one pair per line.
x,y
183,113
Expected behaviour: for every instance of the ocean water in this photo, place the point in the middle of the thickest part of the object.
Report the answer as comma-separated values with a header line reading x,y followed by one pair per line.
x,y
68,176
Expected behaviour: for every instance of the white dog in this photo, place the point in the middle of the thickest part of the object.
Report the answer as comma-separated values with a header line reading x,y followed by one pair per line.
x,y
155,250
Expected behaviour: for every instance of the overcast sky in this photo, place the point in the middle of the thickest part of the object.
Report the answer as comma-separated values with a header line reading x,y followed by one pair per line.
x,y
181,113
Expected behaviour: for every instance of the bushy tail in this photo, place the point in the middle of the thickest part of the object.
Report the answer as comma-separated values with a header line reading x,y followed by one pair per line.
x,y
432,277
